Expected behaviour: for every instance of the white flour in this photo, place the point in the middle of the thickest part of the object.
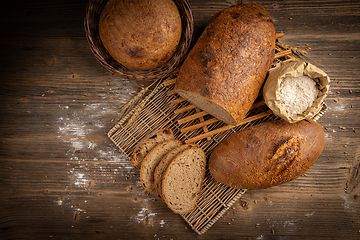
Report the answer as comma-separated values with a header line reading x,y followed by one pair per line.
x,y
297,94
105,160
144,216
92,158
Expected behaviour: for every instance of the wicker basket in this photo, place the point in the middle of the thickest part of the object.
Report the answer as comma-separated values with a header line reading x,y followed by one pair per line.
x,y
91,24
163,108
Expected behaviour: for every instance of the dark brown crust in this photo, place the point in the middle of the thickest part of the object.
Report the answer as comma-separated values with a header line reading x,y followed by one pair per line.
x,y
229,62
140,35
267,154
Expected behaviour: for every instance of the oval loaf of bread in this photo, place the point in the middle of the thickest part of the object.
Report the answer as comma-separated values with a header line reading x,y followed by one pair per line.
x,y
267,154
183,178
226,68
152,159
144,146
161,167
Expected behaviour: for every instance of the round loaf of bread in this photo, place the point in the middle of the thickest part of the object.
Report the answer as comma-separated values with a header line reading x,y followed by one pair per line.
x,y
141,34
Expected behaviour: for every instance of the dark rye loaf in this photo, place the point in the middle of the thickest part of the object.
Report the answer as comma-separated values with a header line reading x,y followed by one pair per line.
x,y
182,180
226,68
267,154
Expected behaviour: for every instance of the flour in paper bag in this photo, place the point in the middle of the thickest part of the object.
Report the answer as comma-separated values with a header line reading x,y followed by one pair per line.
x,y
297,94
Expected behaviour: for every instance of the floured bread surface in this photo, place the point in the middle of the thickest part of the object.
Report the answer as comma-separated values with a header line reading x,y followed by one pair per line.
x,y
182,180
161,167
152,159
148,143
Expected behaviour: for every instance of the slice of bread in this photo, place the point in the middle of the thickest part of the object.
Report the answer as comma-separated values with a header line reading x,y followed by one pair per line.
x,y
152,159
183,179
144,146
161,167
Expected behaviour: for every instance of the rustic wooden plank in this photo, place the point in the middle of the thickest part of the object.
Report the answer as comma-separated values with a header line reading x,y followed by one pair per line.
x,y
62,178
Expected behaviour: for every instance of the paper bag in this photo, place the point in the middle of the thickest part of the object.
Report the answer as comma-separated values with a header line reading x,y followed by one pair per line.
x,y
294,69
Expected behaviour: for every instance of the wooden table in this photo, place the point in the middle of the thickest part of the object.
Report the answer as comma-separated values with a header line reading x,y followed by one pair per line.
x,y
62,178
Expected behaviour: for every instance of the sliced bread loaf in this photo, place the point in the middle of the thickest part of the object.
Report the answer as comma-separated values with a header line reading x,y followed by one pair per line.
x,y
227,66
161,167
144,146
152,159
183,178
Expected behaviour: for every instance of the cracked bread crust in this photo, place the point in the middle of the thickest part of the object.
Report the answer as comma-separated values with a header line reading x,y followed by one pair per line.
x,y
267,154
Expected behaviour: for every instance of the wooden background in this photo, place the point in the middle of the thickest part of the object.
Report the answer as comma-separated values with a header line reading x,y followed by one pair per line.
x,y
62,178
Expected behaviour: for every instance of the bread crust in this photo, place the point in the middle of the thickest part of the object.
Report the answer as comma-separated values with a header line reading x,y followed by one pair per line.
x,y
151,139
229,62
142,34
152,159
161,167
267,154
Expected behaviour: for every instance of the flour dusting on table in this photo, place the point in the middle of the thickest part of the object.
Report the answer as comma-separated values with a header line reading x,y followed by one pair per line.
x,y
144,215
88,159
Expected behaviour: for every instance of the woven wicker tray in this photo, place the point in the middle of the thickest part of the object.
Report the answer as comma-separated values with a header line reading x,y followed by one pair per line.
x,y
158,106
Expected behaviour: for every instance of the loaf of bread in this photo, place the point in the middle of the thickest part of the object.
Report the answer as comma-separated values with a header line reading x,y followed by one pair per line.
x,y
147,143
226,68
152,159
267,154
163,164
142,34
183,178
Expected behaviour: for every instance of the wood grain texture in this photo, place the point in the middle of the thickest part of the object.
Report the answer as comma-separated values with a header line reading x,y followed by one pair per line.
x,y
62,178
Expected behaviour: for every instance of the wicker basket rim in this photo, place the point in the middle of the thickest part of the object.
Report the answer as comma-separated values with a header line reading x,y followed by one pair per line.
x,y
93,12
